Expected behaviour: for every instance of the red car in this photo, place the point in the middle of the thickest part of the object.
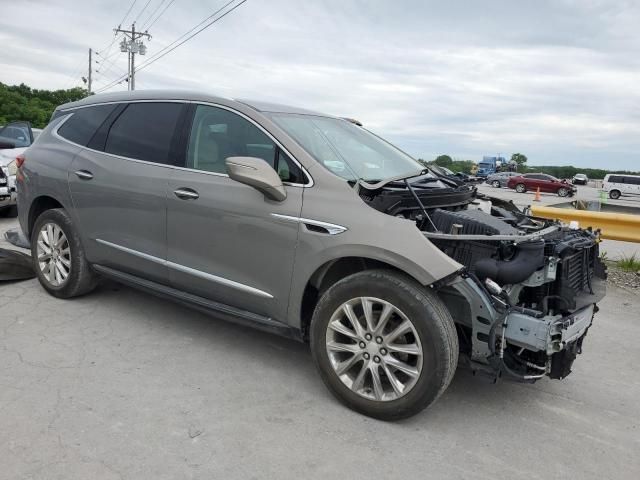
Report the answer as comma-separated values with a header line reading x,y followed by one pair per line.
x,y
546,183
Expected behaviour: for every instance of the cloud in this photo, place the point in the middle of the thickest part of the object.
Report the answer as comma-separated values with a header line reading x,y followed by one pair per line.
x,y
556,80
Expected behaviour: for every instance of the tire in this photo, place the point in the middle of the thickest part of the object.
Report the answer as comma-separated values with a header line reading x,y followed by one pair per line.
x,y
495,184
521,188
614,194
432,332
563,192
9,212
80,279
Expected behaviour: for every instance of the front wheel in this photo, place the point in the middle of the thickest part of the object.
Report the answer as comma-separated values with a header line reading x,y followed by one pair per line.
x,y
563,192
614,194
384,345
58,256
495,184
521,188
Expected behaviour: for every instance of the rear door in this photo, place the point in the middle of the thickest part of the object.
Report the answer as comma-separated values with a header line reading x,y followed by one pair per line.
x,y
225,242
119,188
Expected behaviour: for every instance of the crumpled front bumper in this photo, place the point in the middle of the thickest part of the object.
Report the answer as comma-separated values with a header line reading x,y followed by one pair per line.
x,y
550,334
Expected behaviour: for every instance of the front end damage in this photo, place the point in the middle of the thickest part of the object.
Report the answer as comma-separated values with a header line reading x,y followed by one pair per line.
x,y
527,294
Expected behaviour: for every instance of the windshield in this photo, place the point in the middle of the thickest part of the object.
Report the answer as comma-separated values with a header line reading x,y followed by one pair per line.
x,y
347,150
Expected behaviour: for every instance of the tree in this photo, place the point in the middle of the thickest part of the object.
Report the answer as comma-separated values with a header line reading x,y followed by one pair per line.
x,y
443,160
20,102
519,158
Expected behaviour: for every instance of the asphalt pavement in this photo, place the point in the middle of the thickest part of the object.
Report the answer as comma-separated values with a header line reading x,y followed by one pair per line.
x,y
122,385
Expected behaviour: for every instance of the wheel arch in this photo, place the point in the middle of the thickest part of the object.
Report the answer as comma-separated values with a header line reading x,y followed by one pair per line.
x,y
38,205
328,274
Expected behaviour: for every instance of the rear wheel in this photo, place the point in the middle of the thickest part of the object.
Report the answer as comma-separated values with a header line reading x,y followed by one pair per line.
x,y
58,256
495,184
384,345
563,192
614,194
521,188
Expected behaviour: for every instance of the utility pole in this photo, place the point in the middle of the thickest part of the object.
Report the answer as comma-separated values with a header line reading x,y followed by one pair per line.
x,y
132,44
90,68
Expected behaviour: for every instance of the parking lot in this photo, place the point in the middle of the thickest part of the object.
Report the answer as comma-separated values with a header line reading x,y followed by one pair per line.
x,y
120,384
613,249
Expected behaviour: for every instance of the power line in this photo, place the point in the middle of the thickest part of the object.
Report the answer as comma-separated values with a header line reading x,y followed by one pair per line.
x,y
128,12
161,13
170,48
142,11
193,28
153,13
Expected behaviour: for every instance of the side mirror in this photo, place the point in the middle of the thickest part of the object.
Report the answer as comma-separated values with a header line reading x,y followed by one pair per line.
x,y
258,174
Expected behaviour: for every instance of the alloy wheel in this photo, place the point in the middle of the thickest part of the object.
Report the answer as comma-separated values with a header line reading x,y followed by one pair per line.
x,y
54,254
495,184
374,348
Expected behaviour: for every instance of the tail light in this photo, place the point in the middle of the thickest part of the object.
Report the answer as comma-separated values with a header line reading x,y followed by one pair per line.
x,y
19,162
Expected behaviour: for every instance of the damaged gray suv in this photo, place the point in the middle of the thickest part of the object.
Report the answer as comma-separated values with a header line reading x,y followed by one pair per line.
x,y
309,226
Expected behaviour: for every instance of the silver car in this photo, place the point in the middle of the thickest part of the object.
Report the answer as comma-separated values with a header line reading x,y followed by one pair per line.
x,y
308,226
500,179
15,138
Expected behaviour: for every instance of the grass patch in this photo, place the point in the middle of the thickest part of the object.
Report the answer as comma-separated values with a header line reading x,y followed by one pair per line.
x,y
629,264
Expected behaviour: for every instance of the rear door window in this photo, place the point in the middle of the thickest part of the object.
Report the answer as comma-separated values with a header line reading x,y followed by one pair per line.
x,y
84,123
144,131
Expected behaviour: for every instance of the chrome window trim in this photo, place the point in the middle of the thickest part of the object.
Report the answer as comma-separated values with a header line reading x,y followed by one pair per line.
x,y
191,271
70,111
332,228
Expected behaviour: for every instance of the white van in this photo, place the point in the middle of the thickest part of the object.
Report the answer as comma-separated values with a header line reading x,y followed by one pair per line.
x,y
616,185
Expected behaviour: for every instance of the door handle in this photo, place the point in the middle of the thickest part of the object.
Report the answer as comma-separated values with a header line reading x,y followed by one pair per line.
x,y
186,194
84,174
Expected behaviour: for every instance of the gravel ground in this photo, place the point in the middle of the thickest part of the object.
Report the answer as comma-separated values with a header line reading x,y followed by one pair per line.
x,y
122,385
628,280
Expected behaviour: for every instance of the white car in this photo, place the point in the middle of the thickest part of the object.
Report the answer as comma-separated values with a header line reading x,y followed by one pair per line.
x,y
15,138
617,185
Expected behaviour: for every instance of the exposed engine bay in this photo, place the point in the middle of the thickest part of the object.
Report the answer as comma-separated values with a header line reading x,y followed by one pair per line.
x,y
528,291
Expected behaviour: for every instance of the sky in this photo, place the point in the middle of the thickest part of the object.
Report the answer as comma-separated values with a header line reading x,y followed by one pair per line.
x,y
557,80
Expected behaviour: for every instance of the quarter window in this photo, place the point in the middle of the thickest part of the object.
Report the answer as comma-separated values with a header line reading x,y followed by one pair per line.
x,y
84,123
144,131
217,134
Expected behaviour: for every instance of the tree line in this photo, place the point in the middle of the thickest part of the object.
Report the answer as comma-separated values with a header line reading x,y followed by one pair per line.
x,y
20,102
521,160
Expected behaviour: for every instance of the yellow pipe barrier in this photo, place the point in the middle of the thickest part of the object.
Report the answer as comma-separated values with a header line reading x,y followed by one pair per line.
x,y
614,226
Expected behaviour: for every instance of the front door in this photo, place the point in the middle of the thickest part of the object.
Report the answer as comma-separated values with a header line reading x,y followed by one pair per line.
x,y
119,194
224,242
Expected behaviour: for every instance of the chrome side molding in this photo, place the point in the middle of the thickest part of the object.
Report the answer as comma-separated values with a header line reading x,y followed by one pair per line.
x,y
309,223
189,270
